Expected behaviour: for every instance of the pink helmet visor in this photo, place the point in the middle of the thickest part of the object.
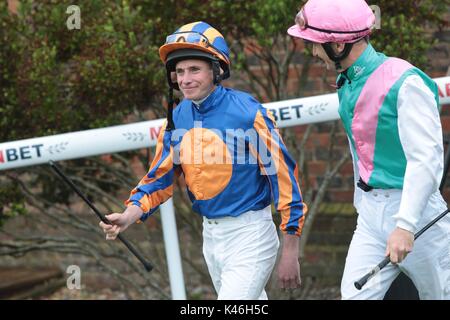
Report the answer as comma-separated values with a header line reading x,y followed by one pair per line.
x,y
324,21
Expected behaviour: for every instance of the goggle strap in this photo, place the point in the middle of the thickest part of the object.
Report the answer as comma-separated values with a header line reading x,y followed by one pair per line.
x,y
203,37
170,125
334,31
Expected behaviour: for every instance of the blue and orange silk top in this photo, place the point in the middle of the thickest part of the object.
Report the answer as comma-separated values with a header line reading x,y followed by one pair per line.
x,y
232,157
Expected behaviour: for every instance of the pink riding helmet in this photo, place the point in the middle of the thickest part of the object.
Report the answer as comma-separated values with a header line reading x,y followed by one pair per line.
x,y
343,21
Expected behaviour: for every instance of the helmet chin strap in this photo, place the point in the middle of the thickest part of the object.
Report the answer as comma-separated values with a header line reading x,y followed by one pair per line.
x,y
172,102
337,58
217,77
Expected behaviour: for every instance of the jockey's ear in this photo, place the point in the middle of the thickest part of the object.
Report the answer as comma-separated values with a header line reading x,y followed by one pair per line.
x,y
338,47
173,77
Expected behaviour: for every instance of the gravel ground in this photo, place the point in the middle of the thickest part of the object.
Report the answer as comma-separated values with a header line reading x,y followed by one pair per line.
x,y
102,294
315,293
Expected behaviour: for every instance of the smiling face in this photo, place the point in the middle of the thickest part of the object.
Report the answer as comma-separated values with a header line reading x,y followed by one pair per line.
x,y
195,78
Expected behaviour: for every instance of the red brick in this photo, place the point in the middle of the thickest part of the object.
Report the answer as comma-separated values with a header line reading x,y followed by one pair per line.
x,y
292,84
316,70
299,130
317,168
446,195
347,169
151,223
137,168
341,195
445,110
318,140
312,183
445,120
293,71
341,139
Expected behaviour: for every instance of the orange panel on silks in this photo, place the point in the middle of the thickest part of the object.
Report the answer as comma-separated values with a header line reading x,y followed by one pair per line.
x,y
206,163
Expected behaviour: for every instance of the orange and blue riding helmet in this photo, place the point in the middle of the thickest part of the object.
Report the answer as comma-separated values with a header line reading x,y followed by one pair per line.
x,y
196,40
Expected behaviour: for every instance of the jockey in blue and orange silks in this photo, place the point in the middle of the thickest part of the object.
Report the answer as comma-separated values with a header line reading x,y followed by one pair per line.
x,y
234,163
